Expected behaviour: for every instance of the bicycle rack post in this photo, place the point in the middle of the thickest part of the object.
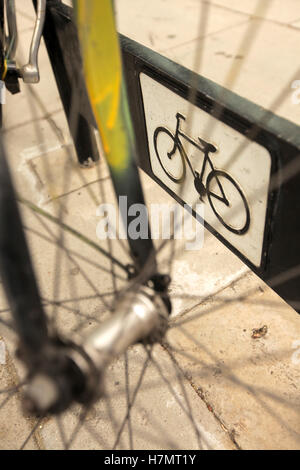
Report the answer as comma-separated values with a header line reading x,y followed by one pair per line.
x,y
63,48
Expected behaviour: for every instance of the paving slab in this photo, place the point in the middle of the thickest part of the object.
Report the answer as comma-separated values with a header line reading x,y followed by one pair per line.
x,y
272,10
264,64
159,407
259,75
163,25
249,375
15,426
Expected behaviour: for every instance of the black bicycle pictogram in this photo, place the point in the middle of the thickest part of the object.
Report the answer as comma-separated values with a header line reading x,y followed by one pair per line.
x,y
174,165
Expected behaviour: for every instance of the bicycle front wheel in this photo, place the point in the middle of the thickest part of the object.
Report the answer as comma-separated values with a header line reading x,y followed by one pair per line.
x,y
235,215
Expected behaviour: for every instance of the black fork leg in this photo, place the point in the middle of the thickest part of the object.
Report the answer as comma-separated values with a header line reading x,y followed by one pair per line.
x,y
1,48
16,269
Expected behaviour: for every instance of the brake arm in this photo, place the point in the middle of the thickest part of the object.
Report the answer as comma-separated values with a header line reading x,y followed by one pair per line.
x,y
30,71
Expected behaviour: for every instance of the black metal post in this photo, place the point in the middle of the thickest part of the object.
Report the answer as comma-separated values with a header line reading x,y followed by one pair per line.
x,y
63,48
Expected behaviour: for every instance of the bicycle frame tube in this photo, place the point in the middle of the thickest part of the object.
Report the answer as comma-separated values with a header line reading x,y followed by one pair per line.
x,y
108,96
